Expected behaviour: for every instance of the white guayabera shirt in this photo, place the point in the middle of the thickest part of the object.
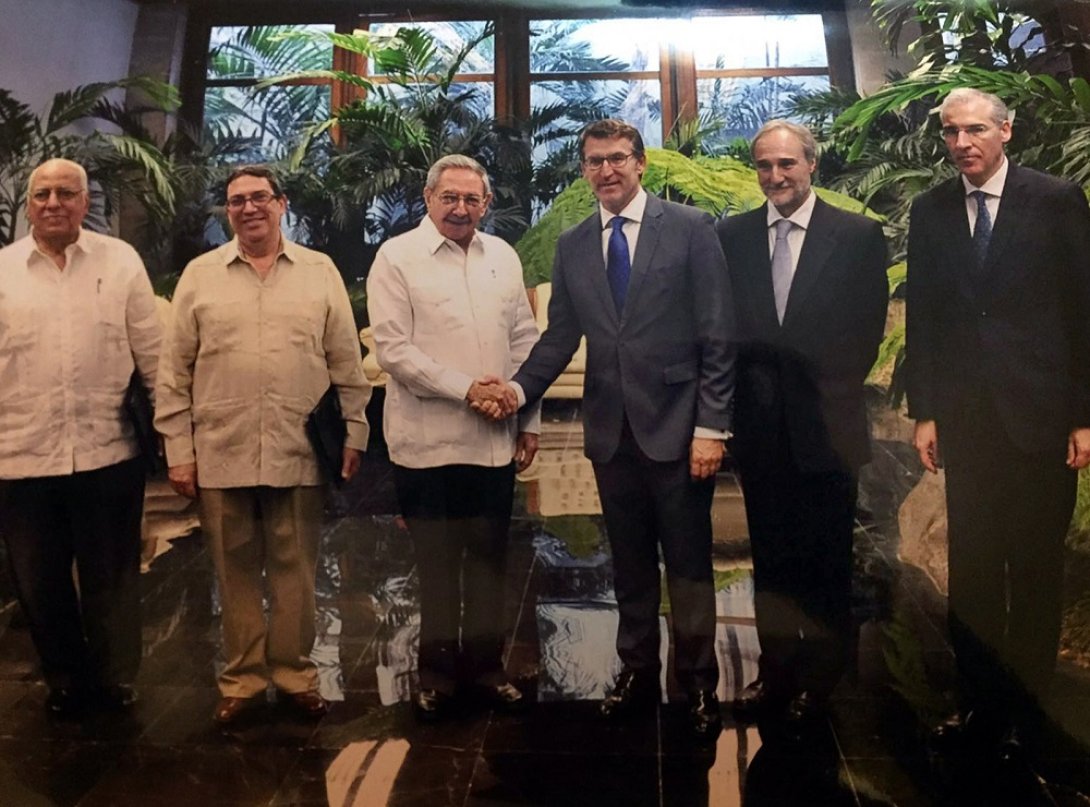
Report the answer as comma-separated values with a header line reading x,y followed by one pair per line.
x,y
69,341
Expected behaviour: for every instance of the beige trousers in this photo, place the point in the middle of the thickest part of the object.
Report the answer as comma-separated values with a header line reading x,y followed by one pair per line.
x,y
275,531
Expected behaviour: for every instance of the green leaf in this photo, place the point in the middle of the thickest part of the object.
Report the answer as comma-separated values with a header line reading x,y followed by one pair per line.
x,y
1080,87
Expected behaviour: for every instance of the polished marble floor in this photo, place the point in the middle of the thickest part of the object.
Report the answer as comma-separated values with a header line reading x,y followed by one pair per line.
x,y
368,751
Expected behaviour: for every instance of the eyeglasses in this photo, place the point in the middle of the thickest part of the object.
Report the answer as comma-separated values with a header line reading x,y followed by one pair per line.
x,y
260,199
975,131
64,195
470,200
615,160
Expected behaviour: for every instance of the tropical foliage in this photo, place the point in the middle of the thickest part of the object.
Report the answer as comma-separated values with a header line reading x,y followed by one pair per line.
x,y
717,185
120,157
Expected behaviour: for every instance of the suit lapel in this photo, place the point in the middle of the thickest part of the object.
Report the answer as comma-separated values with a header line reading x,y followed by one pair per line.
x,y
759,269
650,229
950,207
1012,207
817,246
590,244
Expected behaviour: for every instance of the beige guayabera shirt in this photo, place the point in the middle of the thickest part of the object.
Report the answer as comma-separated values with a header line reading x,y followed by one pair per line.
x,y
68,343
245,362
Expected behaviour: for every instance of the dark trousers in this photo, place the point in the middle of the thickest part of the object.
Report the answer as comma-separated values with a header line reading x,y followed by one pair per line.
x,y
648,504
90,636
1008,514
459,517
800,531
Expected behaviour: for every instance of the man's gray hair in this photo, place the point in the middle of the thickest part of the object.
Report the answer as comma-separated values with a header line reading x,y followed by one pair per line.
x,y
966,95
804,135
53,163
456,161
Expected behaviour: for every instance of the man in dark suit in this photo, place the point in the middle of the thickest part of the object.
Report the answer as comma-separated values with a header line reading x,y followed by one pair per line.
x,y
810,295
645,281
999,384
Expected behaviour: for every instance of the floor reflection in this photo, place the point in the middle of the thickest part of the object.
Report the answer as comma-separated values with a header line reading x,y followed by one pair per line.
x,y
369,751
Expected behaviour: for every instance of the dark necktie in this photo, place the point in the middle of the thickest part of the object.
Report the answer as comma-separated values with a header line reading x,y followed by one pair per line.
x,y
982,232
618,264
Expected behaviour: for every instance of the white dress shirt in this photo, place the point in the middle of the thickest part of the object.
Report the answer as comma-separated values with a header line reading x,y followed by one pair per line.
x,y
443,317
797,235
69,341
994,190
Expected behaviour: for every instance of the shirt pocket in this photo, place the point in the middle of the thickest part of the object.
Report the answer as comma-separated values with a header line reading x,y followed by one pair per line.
x,y
20,340
114,357
436,310
222,326
297,326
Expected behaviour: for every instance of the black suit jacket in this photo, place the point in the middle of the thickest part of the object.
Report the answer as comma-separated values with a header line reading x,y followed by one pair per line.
x,y
1017,328
666,360
800,384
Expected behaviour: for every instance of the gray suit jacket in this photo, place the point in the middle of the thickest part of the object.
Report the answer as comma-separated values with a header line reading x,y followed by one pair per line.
x,y
667,359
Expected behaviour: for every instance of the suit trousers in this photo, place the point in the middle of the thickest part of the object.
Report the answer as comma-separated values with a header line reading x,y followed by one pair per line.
x,y
459,518
800,531
88,634
647,504
271,533
1008,513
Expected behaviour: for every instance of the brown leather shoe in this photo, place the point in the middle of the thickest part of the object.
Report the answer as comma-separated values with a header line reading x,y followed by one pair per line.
x,y
230,710
308,704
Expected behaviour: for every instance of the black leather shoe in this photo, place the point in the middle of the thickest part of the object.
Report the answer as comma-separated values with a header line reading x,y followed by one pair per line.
x,y
631,692
751,701
431,705
704,717
804,708
1011,750
504,697
117,697
951,730
66,702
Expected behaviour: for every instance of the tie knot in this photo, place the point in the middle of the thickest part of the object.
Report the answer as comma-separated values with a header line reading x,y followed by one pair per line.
x,y
783,227
617,222
980,197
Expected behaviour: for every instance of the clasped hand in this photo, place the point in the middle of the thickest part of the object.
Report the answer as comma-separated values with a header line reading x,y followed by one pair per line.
x,y
492,398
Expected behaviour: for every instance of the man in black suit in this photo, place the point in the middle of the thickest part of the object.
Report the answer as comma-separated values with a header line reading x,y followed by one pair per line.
x,y
645,281
810,295
999,384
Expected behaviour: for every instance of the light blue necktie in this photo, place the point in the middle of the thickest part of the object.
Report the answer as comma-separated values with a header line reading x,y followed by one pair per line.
x,y
781,267
982,232
618,263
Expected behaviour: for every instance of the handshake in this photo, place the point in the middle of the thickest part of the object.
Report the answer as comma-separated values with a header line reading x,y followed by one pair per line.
x,y
492,398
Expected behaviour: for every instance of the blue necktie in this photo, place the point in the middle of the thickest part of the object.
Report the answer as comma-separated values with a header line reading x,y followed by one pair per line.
x,y
982,232
618,264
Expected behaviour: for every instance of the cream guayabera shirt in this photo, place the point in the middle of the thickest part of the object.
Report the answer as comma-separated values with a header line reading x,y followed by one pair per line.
x,y
69,341
245,362
441,318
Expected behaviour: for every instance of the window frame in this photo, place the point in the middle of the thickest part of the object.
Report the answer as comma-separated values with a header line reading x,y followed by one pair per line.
x,y
677,73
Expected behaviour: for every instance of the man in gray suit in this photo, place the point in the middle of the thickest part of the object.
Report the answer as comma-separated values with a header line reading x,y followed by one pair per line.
x,y
646,282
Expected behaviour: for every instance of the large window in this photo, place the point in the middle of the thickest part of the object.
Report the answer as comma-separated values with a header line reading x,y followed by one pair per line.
x,y
551,75
770,60
271,120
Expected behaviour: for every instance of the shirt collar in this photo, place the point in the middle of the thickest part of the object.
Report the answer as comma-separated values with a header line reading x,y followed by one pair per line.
x,y
233,251
633,211
81,244
434,239
995,184
801,217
